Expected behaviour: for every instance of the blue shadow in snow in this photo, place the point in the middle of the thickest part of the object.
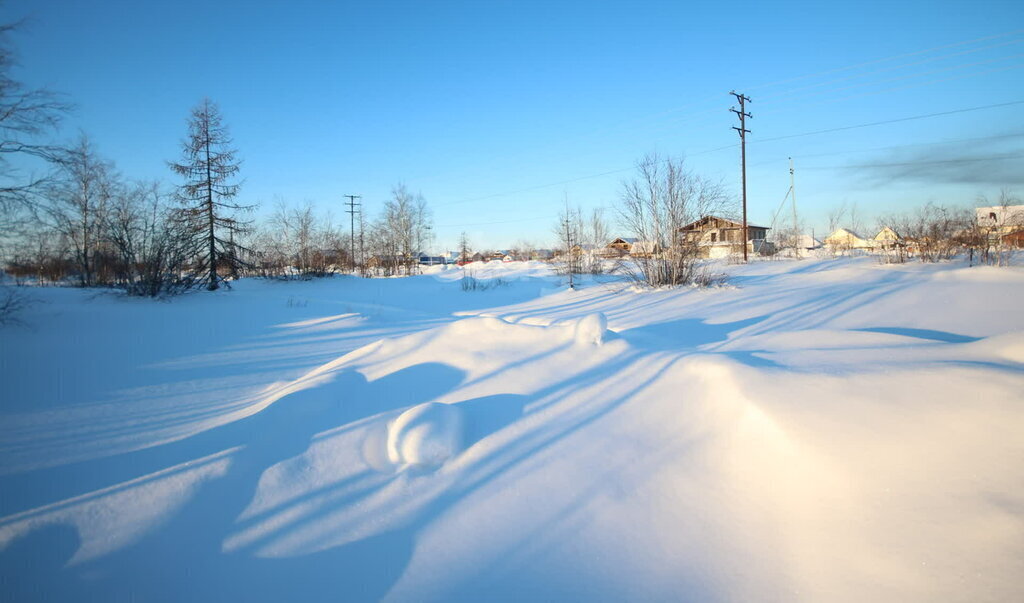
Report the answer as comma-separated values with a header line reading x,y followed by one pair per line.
x,y
683,334
929,334
182,559
490,414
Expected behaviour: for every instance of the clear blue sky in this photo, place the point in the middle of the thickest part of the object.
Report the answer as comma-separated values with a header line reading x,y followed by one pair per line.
x,y
479,104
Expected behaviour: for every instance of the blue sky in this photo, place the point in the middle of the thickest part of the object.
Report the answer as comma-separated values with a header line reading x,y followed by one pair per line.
x,y
496,111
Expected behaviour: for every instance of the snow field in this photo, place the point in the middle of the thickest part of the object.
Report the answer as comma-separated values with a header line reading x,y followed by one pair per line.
x,y
816,431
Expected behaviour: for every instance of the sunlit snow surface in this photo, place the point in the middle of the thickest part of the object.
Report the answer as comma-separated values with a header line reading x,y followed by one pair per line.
x,y
816,430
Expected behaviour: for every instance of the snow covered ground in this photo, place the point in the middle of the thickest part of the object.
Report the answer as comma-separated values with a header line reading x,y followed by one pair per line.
x,y
817,430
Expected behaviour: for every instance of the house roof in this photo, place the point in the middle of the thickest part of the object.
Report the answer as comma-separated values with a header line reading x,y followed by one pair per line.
x,y
628,240
886,233
645,246
844,232
694,224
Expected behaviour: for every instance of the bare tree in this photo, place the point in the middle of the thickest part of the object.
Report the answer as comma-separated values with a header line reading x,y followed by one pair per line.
x,y
892,251
152,246
567,231
296,242
26,117
208,167
595,236
934,232
655,205
401,231
78,201
465,252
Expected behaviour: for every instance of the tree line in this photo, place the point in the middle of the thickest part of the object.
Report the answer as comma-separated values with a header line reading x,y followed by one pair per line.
x,y
67,215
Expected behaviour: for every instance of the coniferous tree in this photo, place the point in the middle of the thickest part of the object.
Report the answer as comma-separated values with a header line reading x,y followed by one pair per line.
x,y
209,166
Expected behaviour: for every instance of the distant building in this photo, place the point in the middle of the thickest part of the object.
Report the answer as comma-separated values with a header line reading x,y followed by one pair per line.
x,y
1004,224
1001,217
806,241
720,237
845,239
645,249
432,260
887,238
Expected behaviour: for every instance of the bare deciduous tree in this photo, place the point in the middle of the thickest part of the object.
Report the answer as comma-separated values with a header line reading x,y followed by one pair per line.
x,y
26,117
567,231
655,205
934,232
152,247
78,201
401,232
465,252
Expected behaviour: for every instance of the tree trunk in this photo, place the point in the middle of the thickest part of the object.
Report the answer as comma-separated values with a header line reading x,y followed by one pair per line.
x,y
209,208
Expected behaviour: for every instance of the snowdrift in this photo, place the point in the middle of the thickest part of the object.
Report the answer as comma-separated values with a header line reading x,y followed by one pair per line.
x,y
818,430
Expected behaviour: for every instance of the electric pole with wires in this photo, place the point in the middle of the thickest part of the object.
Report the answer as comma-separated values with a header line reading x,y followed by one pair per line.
x,y
353,207
743,115
792,192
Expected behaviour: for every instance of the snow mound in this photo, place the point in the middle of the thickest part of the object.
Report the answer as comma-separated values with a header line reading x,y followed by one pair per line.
x,y
591,328
427,434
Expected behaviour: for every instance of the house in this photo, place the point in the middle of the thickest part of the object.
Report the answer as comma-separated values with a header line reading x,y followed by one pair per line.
x,y
1004,218
583,249
617,248
623,244
432,260
718,237
542,254
1004,224
888,238
806,241
1013,239
845,239
645,249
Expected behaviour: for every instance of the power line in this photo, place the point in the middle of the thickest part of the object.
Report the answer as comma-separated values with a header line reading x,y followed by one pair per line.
x,y
797,91
894,146
535,218
732,146
691,115
906,87
911,76
889,58
892,121
1000,157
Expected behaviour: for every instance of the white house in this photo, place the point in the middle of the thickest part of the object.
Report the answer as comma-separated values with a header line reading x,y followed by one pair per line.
x,y
844,238
1000,216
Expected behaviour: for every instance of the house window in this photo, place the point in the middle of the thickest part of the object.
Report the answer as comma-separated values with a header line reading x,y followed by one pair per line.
x,y
714,237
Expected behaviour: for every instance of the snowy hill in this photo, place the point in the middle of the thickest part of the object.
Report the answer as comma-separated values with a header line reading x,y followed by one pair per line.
x,y
829,430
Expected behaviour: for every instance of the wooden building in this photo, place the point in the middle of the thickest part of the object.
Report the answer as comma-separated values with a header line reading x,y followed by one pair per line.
x,y
719,237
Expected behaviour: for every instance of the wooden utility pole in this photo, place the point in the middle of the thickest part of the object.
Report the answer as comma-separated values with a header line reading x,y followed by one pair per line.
x,y
743,131
352,209
569,242
792,191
